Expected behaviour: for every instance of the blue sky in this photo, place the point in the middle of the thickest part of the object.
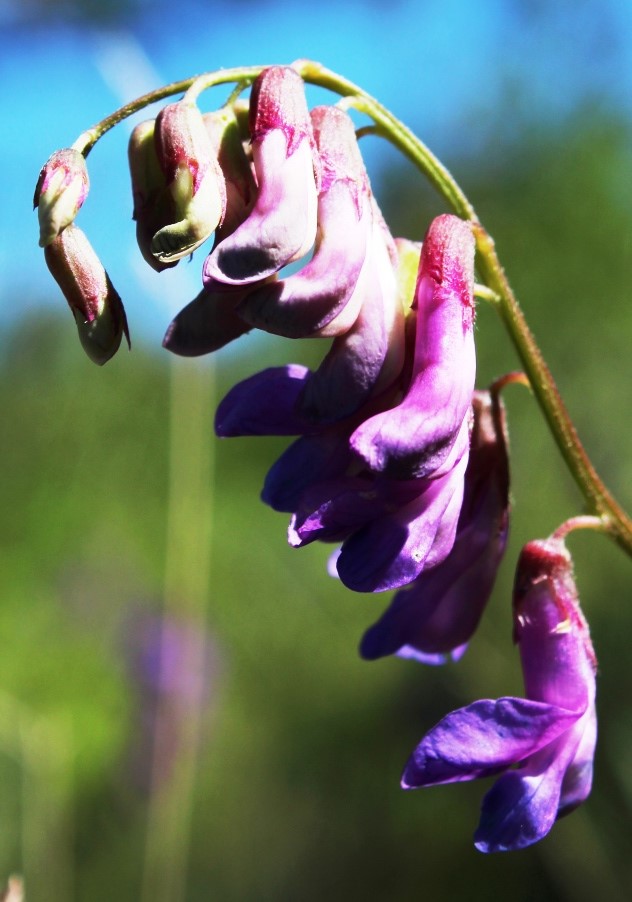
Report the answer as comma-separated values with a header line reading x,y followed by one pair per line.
x,y
445,66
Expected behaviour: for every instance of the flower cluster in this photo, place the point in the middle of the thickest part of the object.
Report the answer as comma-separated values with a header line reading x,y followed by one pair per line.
x,y
396,458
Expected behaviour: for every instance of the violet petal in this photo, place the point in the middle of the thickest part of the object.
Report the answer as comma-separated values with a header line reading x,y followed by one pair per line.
x,y
483,738
263,404
414,438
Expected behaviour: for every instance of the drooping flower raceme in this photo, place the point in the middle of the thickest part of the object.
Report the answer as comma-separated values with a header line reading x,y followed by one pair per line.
x,y
543,744
396,458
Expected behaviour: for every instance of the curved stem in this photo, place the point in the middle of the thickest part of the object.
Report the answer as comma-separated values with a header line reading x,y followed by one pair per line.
x,y
584,521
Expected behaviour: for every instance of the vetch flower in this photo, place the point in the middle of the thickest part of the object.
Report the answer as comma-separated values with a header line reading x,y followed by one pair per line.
x,y
391,529
543,744
436,615
368,356
315,300
189,163
415,437
211,320
93,300
391,550
282,224
61,189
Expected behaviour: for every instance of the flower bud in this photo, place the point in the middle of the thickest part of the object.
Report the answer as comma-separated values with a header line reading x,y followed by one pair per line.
x,y
93,300
153,204
194,178
61,189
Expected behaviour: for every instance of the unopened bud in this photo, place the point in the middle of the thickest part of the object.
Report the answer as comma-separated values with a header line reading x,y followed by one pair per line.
x,y
61,189
153,204
189,163
93,300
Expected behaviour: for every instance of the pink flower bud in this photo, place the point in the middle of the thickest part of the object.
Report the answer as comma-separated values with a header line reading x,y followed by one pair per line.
x,y
93,300
194,178
61,189
153,203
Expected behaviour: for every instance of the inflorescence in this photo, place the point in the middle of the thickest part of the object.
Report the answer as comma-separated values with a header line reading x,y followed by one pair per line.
x,y
397,457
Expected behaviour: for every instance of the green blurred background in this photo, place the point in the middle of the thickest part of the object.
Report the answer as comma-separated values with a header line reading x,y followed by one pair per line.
x,y
264,764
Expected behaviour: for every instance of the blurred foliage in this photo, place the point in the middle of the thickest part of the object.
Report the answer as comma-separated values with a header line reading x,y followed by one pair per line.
x,y
303,743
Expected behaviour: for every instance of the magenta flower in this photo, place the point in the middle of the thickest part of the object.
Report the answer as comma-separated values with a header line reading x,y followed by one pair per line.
x,y
368,357
315,301
415,437
437,614
211,320
543,744
93,300
282,224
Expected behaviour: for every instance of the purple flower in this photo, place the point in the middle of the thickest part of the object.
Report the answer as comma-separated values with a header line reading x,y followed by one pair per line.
x,y
93,300
282,224
369,356
543,744
61,189
415,437
211,320
175,668
436,615
390,529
